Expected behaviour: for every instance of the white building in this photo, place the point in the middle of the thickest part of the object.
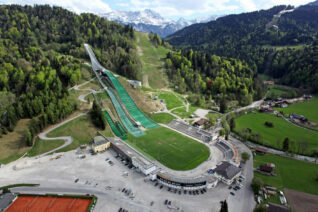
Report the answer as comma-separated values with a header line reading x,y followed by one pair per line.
x,y
143,165
135,83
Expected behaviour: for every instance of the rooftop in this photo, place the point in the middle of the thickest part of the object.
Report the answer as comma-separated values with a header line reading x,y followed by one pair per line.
x,y
6,199
145,162
227,170
99,140
201,122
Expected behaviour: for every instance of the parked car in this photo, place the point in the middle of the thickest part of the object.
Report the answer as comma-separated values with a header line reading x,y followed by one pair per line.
x,y
232,193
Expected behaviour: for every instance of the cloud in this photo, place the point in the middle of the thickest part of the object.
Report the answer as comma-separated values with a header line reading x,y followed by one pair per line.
x,y
167,8
184,7
78,6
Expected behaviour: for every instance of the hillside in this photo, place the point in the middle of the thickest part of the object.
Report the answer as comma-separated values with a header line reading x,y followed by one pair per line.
x,y
255,37
152,59
41,52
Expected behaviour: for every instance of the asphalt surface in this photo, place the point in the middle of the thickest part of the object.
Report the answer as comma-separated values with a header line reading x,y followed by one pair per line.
x,y
68,139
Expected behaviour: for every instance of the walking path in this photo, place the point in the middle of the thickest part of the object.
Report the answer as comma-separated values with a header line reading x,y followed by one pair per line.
x,y
68,139
284,154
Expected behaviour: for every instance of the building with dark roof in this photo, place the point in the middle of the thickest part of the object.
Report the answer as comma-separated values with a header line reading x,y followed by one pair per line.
x,y
6,200
267,168
227,172
200,122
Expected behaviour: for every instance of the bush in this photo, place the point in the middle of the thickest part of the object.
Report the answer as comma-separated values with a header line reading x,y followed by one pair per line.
x,y
269,124
222,132
245,156
256,185
261,208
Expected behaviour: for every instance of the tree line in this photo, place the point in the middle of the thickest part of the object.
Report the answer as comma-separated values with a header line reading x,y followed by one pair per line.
x,y
215,77
258,37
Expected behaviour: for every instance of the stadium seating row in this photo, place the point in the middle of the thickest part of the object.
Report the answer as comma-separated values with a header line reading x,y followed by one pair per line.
x,y
191,130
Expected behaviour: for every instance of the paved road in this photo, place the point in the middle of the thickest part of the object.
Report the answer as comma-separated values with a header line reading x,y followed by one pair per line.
x,y
243,201
68,139
284,154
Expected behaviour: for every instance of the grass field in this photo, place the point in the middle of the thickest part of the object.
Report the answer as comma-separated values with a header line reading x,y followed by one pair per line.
x,y
152,61
171,100
12,145
182,112
308,109
291,174
172,149
163,118
281,130
81,130
43,146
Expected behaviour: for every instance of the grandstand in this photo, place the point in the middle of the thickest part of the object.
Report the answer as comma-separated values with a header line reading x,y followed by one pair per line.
x,y
191,131
130,105
228,152
135,131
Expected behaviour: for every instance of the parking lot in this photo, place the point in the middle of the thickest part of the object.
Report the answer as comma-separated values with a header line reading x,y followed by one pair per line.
x,y
114,183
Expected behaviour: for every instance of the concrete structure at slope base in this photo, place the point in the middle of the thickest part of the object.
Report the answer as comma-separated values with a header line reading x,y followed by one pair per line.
x,y
100,144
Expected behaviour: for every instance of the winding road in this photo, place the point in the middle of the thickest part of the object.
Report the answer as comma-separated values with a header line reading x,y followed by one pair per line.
x,y
68,139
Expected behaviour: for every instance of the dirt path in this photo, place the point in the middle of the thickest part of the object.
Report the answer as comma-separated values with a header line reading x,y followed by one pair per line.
x,y
145,81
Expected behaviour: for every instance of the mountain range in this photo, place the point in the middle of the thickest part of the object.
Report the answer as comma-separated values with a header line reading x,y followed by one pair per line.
x,y
150,21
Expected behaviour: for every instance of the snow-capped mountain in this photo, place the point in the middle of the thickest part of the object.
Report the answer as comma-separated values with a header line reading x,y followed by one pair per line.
x,y
315,3
151,21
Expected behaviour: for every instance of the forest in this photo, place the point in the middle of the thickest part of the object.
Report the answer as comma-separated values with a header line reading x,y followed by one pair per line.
x,y
41,51
215,77
257,37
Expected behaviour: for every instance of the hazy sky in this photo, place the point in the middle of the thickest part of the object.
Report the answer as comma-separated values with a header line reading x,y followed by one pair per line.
x,y
167,8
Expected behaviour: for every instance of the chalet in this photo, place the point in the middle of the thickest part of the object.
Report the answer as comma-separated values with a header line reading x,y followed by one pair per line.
x,y
200,123
267,168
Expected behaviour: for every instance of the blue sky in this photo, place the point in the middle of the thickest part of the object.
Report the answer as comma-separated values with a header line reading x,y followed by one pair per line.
x,y
173,9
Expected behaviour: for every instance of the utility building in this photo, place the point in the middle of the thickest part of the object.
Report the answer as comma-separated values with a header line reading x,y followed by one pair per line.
x,y
100,144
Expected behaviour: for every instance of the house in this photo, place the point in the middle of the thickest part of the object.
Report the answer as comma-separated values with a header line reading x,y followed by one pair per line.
x,y
226,172
100,144
200,123
298,118
267,168
266,109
